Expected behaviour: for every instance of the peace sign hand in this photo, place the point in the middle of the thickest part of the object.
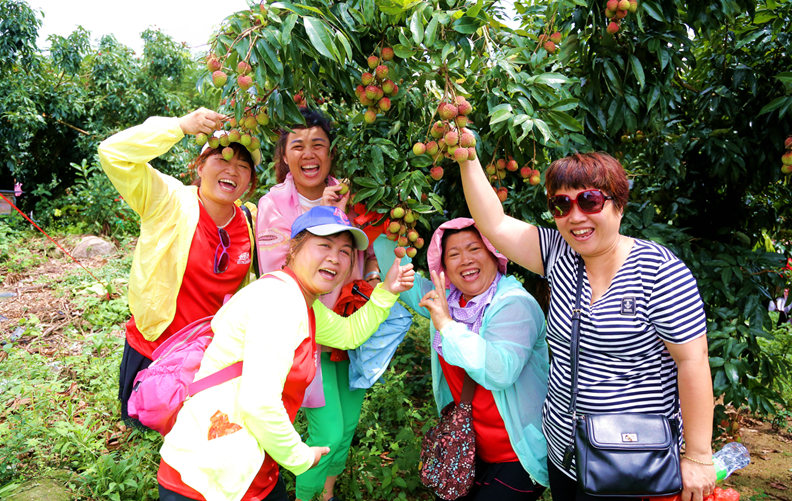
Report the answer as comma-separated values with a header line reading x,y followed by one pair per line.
x,y
435,301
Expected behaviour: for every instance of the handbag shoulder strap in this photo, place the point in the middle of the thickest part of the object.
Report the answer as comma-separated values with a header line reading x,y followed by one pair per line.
x,y
468,388
575,341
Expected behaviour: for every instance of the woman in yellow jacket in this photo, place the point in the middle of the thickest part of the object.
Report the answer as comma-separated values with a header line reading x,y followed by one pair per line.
x,y
228,440
195,244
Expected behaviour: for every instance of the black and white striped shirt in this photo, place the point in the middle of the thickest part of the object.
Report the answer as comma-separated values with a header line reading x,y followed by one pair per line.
x,y
624,365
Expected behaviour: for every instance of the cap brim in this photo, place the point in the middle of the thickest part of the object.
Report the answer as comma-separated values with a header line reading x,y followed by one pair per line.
x,y
323,230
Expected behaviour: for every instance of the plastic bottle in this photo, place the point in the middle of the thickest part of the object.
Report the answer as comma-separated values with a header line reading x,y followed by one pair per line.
x,y
732,457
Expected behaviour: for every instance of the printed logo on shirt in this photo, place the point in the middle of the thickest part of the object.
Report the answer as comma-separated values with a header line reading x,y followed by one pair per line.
x,y
628,306
244,258
339,213
271,238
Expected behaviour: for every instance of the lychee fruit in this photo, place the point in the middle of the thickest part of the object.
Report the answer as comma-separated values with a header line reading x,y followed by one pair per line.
x,y
431,148
387,54
371,92
613,5
448,111
403,242
397,213
511,165
788,143
436,173
612,28
490,169
451,138
254,144
500,164
624,4
786,158
461,154
419,243
503,193
419,149
262,118
360,90
391,236
786,169
621,14
384,104
466,140
201,138
395,90
633,6
464,108
381,72
461,121
394,227
610,14
224,141
243,68
249,122
344,189
412,235
365,101
535,179
555,37
234,136
411,252
370,116
409,217
228,153
438,130
219,78
501,174
213,64
526,172
550,47
400,252
373,61
472,153
246,139
388,86
214,142
367,79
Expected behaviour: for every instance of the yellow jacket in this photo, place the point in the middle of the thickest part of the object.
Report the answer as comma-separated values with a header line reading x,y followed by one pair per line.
x,y
263,325
169,215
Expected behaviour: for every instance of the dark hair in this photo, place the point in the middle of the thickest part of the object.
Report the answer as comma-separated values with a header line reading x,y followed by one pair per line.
x,y
239,151
448,233
313,118
298,241
583,170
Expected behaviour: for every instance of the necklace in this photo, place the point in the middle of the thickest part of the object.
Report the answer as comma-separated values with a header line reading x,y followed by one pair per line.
x,y
233,214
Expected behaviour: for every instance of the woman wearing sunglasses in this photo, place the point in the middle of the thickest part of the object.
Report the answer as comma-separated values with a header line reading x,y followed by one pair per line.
x,y
643,326
486,327
228,440
195,243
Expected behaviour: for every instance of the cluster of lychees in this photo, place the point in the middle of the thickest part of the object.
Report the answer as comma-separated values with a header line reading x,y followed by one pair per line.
x,y
244,132
454,139
786,158
550,42
617,10
376,86
401,229
496,172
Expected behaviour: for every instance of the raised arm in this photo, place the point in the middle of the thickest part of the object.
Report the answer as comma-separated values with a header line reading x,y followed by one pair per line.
x,y
517,240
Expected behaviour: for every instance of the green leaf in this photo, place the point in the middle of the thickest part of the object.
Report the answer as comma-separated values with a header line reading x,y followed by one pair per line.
x,y
449,48
377,164
416,26
549,79
566,121
286,30
544,129
431,30
500,116
403,52
474,11
270,56
319,37
637,70
774,104
731,373
466,25
367,182
653,97
653,10
613,76
565,104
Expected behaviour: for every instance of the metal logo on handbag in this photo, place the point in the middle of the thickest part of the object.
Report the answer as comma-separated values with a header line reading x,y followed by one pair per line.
x,y
611,459
448,450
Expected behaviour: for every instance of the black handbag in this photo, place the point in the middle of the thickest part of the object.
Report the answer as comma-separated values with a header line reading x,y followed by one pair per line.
x,y
620,454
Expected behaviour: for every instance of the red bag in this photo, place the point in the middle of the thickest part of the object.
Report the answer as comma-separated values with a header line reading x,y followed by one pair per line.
x,y
353,296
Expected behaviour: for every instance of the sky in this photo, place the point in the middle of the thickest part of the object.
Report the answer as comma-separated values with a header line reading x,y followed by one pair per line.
x,y
191,21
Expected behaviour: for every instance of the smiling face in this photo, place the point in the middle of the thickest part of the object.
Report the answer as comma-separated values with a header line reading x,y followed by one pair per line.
x,y
590,235
307,153
224,181
323,263
469,265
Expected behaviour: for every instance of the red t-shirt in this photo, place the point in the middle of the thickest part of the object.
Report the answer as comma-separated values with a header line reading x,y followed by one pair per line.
x,y
202,290
300,376
492,439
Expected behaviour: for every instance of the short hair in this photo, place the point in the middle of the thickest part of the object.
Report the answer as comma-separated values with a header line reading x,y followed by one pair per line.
x,y
241,152
313,118
298,242
589,170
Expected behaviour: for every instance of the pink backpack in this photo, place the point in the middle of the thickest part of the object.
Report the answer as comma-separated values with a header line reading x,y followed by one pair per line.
x,y
160,390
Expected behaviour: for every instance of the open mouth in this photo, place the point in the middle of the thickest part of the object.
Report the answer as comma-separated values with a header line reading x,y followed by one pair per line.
x,y
470,275
310,170
582,234
327,274
227,185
